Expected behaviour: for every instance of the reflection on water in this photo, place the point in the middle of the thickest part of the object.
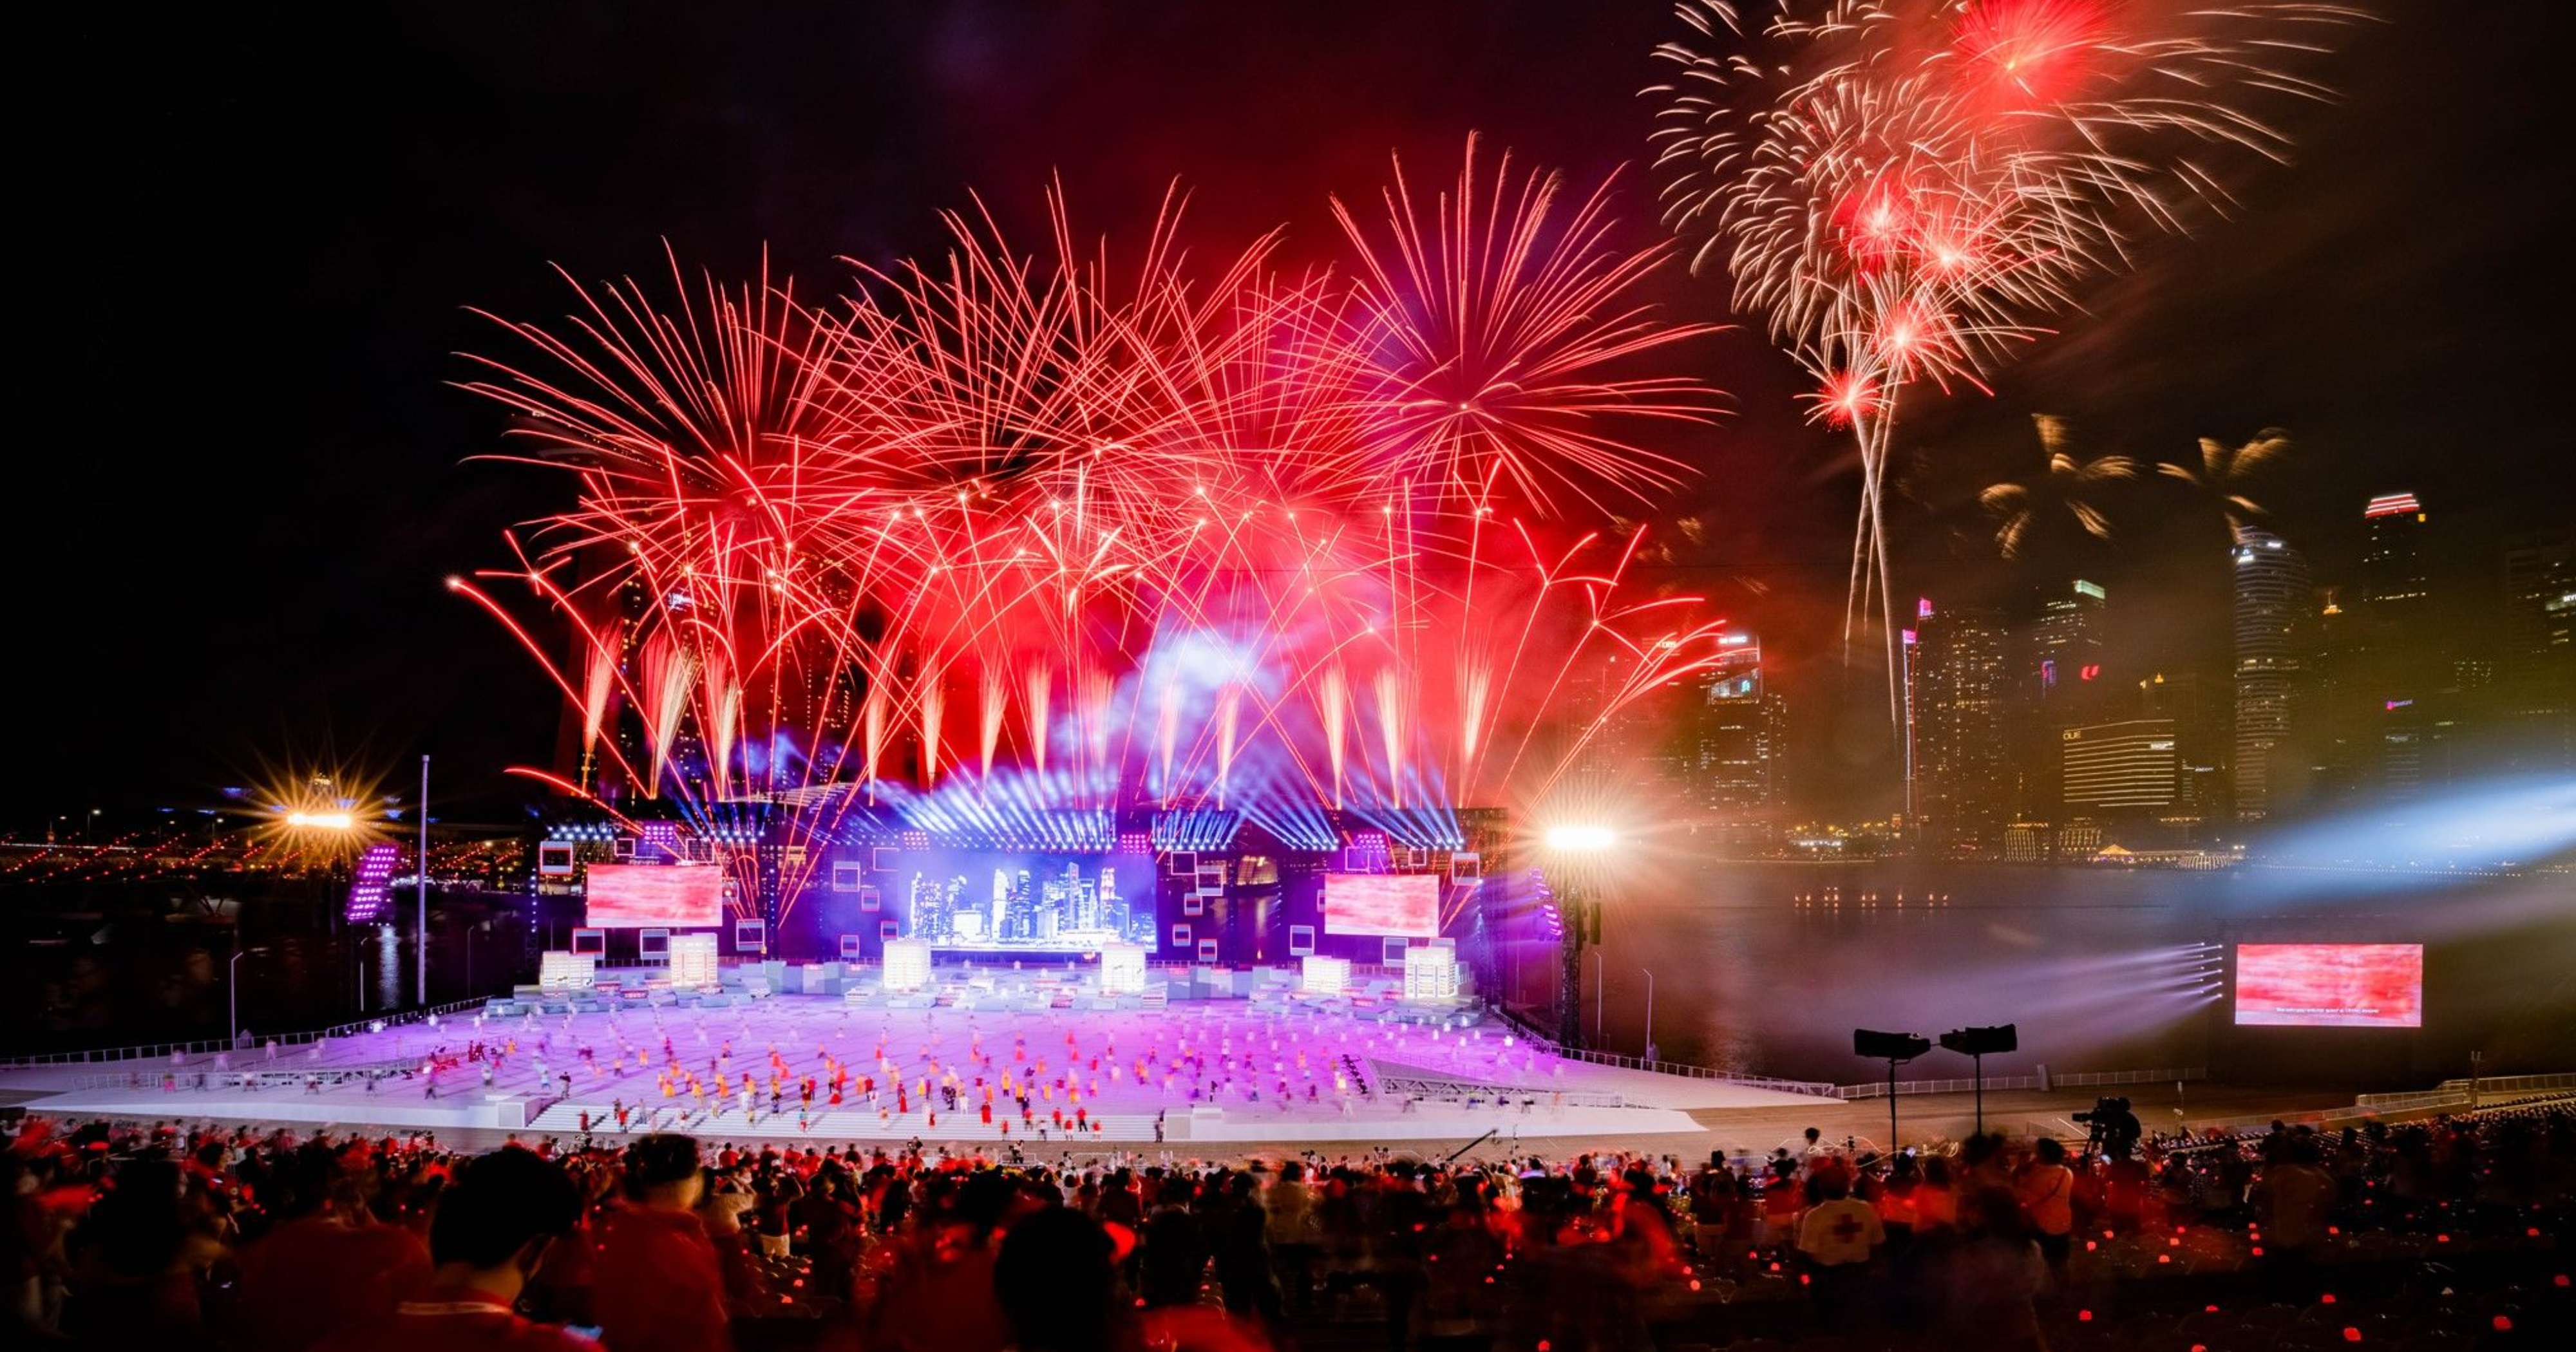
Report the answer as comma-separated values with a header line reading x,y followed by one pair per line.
x,y
1769,968
386,957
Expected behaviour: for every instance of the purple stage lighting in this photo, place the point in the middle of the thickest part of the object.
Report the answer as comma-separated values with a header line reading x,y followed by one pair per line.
x,y
368,881
657,843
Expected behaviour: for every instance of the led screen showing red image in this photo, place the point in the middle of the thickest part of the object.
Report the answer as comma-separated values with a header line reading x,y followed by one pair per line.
x,y
1405,905
680,896
2330,985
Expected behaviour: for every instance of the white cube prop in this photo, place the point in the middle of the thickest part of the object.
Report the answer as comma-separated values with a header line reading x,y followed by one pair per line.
x,y
693,960
1122,969
560,970
907,964
1430,974
1325,976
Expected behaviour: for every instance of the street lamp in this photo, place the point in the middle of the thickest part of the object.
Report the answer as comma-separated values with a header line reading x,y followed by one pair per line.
x,y
1574,844
420,896
1650,1014
232,990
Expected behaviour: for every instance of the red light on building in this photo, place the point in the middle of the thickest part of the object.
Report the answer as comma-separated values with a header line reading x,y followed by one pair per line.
x,y
2392,504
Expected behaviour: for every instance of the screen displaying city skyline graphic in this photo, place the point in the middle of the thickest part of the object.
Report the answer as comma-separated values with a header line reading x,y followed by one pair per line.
x,y
1392,905
2330,985
1004,900
679,896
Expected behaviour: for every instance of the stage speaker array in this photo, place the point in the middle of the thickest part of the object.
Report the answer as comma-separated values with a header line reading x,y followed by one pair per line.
x,y
1889,1046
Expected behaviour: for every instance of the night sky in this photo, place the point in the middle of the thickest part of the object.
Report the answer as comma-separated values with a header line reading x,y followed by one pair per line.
x,y
255,237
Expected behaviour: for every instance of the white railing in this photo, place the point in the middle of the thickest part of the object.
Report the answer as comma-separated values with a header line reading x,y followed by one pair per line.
x,y
2514,1084
2082,1079
161,1051
1418,1088
2427,1098
2487,1088
2517,1090
252,1079
1616,1061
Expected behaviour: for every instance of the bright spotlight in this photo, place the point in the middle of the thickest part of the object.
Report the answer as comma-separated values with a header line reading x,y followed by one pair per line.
x,y
323,821
1581,839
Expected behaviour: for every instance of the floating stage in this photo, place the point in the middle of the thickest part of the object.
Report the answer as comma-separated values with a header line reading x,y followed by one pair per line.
x,y
978,1055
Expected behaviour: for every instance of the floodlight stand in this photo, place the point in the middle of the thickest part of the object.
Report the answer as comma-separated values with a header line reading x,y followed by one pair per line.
x,y
420,955
1571,918
1892,1063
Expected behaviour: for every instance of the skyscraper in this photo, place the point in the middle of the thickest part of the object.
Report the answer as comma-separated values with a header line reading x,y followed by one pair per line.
x,y
2535,690
1737,761
2058,687
1961,691
2066,643
2273,600
2200,741
2540,600
2390,673
2392,558
2124,767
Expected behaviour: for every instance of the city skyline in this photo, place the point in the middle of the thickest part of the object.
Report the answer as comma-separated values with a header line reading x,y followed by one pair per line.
x,y
1777,576
1584,541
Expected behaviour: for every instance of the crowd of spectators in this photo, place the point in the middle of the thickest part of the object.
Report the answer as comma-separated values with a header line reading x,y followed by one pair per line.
x,y
164,1236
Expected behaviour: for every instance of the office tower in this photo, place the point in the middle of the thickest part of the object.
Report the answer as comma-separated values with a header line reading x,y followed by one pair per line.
x,y
1961,695
1737,756
2535,689
2392,558
2272,626
2124,767
2403,663
2066,642
2335,718
2059,686
2200,741
2540,601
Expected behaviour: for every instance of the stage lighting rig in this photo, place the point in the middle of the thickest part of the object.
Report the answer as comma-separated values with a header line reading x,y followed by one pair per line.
x,y
1975,1043
1895,1049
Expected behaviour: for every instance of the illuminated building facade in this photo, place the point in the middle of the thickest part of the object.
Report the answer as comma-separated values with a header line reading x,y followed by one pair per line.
x,y
2060,685
1738,754
1961,696
2273,601
2198,715
2129,766
2535,689
2393,586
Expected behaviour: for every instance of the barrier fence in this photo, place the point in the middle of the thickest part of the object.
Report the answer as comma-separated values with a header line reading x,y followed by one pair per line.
x,y
2512,1084
2392,1108
2081,1079
209,1046
1529,1033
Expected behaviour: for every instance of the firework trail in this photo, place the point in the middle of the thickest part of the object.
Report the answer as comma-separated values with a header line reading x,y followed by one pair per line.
x,y
2065,485
2225,475
1083,526
1906,190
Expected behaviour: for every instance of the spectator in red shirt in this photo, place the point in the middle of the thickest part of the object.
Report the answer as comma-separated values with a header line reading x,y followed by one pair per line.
x,y
1056,1280
329,1264
492,1229
659,1285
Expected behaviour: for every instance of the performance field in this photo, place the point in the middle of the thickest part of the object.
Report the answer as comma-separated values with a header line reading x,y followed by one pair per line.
x,y
978,1054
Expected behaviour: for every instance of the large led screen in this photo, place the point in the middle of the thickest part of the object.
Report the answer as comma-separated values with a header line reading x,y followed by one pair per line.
x,y
1004,901
2330,985
1401,905
679,896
